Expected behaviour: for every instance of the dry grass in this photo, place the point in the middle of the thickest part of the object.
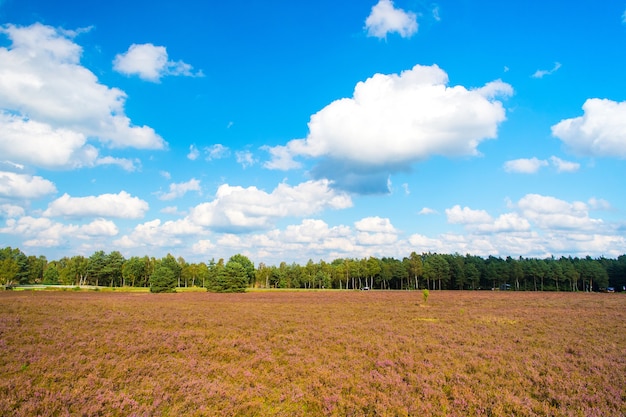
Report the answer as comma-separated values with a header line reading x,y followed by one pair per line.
x,y
312,353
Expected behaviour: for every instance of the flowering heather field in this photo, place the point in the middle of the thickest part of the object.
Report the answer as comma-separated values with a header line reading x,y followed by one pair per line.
x,y
320,353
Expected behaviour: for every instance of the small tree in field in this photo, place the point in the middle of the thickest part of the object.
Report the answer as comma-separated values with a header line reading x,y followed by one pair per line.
x,y
163,280
425,293
231,278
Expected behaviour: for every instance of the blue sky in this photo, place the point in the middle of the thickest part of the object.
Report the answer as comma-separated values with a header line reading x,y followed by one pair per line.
x,y
289,131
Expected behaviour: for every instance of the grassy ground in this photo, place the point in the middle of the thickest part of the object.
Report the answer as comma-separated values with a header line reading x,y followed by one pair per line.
x,y
335,353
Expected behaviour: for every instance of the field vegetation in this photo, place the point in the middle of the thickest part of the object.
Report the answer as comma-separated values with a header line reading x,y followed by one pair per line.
x,y
312,353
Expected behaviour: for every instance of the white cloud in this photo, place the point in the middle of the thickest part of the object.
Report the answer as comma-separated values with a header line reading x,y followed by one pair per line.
x,y
51,104
245,158
43,232
564,166
552,213
150,63
505,223
217,151
156,234
375,225
14,185
436,14
121,205
42,145
375,231
395,120
180,189
538,226
11,211
249,208
194,153
543,73
624,17
385,18
170,210
524,165
465,215
281,158
598,204
427,211
124,163
601,131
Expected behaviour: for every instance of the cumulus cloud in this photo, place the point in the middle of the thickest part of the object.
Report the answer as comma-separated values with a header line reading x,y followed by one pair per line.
x,y
537,226
394,120
44,232
385,18
180,189
121,205
159,234
41,144
524,165
14,185
51,104
375,231
11,211
543,73
240,209
600,131
564,166
150,63
465,215
552,213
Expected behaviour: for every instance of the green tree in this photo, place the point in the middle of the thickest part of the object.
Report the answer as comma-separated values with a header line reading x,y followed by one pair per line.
x,y
162,280
133,271
13,266
436,268
416,268
232,278
247,266
51,274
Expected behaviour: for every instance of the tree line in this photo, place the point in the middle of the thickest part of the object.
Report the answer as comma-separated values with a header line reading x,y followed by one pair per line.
x,y
417,271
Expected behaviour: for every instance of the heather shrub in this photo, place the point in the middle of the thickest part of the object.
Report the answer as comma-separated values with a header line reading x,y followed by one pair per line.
x,y
317,353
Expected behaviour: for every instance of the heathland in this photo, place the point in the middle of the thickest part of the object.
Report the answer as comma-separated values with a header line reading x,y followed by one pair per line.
x,y
312,353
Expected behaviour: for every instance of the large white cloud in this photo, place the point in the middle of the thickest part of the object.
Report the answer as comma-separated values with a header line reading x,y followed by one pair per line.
x,y
394,120
44,232
39,144
14,185
158,234
250,208
53,105
552,213
600,131
121,205
150,63
385,18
